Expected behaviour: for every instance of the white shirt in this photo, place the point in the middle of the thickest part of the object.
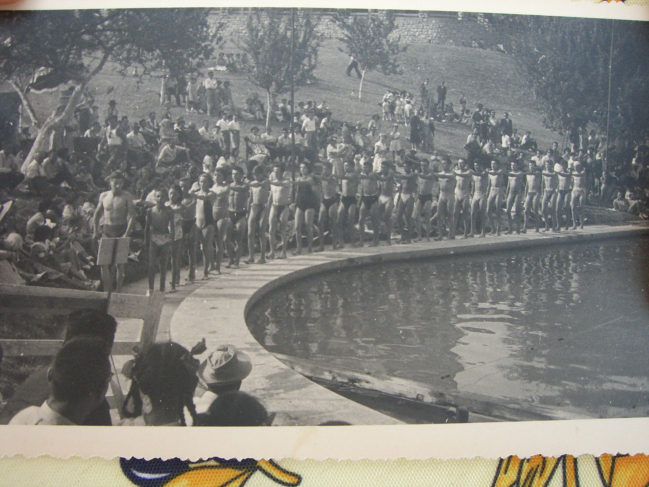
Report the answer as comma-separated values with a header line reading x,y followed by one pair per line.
x,y
136,141
209,83
43,415
309,125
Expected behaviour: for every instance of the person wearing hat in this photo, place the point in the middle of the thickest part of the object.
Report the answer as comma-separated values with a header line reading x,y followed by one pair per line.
x,y
222,372
118,210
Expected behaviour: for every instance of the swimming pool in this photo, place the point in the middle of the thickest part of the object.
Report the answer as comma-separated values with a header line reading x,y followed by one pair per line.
x,y
565,327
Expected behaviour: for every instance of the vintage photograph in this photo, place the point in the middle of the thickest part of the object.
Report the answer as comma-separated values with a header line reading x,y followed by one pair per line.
x,y
310,217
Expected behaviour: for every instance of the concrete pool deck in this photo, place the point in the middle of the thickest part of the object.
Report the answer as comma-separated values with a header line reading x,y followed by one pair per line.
x,y
216,311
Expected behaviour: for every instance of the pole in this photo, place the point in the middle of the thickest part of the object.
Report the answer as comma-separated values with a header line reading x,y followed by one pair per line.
x,y
292,95
608,110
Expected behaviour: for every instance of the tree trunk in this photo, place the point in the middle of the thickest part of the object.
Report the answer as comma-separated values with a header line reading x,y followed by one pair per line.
x,y
55,121
360,87
26,104
269,107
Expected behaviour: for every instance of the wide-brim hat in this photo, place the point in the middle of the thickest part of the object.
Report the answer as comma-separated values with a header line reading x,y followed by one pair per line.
x,y
225,366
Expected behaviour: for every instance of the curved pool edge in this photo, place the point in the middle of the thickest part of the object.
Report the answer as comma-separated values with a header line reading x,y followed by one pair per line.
x,y
217,311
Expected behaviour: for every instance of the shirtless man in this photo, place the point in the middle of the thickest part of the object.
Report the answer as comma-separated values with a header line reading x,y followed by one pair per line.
x,y
221,217
515,189
347,206
464,178
424,201
550,184
479,200
280,198
496,184
533,184
205,221
579,194
406,201
258,215
328,205
563,198
188,225
159,232
238,209
116,205
369,203
387,186
446,203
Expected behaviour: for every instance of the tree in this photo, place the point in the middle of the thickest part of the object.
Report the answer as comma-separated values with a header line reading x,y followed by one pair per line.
x,y
280,56
569,63
369,39
50,49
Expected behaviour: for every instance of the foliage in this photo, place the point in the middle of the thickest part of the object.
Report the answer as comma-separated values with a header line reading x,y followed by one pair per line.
x,y
369,39
567,64
268,43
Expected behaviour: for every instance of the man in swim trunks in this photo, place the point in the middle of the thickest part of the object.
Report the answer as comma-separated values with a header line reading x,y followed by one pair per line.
x,y
563,199
369,203
258,215
424,202
280,199
221,217
205,221
533,185
464,179
188,223
239,192
406,202
550,184
328,205
579,194
347,207
118,210
387,185
496,184
515,189
446,204
159,232
479,201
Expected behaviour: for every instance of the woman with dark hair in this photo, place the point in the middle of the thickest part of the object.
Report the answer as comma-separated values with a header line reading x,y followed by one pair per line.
x,y
163,383
306,203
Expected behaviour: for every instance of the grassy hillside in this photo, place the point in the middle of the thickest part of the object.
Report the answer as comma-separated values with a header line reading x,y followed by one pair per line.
x,y
485,77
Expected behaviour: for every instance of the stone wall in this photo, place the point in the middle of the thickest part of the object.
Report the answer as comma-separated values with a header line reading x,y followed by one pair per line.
x,y
471,30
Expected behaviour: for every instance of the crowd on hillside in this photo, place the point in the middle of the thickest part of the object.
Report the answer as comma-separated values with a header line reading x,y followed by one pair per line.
x,y
210,196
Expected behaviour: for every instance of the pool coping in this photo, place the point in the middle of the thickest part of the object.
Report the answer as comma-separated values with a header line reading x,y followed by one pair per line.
x,y
217,312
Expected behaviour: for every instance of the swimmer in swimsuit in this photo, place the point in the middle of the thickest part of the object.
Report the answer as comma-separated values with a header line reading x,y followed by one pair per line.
x,y
533,184
222,220
205,221
563,196
280,198
306,203
238,203
329,205
189,228
369,203
496,183
479,201
446,204
159,232
550,184
515,187
462,207
176,206
406,201
258,218
387,185
424,203
579,192
347,207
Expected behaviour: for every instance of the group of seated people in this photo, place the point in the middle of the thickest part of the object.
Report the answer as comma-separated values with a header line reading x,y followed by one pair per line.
x,y
168,385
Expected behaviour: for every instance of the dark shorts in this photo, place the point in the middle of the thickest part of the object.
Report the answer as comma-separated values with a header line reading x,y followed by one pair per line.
x,y
348,201
328,202
114,231
187,226
235,216
279,209
260,211
425,198
369,200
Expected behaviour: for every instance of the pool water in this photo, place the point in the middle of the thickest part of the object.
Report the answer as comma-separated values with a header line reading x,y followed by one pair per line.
x,y
564,327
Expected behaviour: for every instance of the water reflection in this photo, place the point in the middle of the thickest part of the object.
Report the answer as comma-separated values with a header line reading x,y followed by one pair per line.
x,y
566,328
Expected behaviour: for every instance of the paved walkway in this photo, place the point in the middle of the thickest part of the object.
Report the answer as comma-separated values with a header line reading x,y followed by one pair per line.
x,y
216,311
